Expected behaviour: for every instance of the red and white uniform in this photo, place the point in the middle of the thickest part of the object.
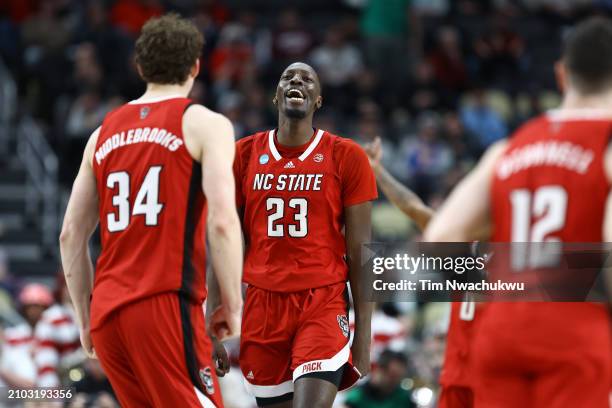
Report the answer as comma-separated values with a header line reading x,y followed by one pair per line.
x,y
146,311
549,184
16,352
56,345
296,318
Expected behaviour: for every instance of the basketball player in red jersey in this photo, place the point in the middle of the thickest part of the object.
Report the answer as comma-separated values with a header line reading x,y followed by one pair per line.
x,y
532,188
149,175
456,377
305,198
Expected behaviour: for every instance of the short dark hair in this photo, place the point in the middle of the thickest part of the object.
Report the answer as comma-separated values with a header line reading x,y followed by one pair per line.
x,y
167,49
587,54
388,356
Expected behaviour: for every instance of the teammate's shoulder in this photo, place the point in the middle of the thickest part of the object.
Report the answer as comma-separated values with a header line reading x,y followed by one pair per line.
x,y
531,126
201,112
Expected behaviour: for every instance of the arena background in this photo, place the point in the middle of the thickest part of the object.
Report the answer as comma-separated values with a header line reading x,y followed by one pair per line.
x,y
438,80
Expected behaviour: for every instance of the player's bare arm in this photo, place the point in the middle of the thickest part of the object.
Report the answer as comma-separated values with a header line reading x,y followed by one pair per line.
x,y
607,225
209,138
79,224
465,215
399,195
358,219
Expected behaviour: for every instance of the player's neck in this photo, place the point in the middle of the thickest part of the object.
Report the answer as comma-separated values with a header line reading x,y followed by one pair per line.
x,y
574,101
294,132
159,91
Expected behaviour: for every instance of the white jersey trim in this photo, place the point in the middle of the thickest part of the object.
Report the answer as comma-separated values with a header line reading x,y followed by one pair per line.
x,y
304,155
153,100
269,391
330,364
561,114
204,400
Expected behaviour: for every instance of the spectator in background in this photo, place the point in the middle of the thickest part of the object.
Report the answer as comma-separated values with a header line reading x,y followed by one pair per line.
x,y
426,158
447,60
94,389
423,92
8,290
230,58
481,120
290,41
130,15
384,388
338,64
57,346
464,146
17,368
500,54
112,46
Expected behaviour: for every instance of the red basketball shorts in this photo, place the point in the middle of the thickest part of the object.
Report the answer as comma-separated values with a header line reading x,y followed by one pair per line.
x,y
156,353
552,355
289,335
456,397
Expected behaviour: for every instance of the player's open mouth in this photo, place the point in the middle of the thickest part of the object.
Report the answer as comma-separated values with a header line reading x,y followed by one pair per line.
x,y
295,96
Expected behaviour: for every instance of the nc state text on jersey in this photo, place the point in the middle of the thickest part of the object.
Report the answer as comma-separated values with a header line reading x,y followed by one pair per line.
x,y
288,182
139,135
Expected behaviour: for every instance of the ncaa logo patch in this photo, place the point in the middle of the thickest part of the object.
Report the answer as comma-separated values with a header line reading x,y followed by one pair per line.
x,y
344,324
264,158
144,112
207,380
318,157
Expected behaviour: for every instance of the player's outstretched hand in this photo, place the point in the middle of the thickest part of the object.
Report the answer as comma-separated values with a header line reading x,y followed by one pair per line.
x,y
224,323
87,344
222,365
374,151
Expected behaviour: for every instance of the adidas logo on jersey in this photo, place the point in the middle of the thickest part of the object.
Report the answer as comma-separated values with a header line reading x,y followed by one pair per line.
x,y
250,375
290,165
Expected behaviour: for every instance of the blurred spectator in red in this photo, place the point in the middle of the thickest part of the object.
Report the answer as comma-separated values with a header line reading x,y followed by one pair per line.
x,y
233,53
130,15
57,345
447,60
290,41
338,64
17,368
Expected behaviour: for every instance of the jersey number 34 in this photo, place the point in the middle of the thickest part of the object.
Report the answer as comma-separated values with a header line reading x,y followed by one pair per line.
x,y
146,202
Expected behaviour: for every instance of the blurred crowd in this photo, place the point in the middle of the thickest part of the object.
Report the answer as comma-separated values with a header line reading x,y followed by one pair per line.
x,y
40,344
438,80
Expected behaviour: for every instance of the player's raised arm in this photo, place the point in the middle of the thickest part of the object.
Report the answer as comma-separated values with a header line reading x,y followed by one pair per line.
x,y
399,195
464,216
79,224
210,139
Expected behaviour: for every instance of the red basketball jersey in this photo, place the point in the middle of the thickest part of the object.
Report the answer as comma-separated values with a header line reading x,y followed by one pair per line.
x,y
550,185
152,209
550,182
293,200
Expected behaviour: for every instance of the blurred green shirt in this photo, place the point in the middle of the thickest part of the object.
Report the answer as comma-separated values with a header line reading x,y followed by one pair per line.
x,y
385,18
367,397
